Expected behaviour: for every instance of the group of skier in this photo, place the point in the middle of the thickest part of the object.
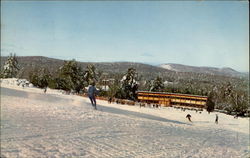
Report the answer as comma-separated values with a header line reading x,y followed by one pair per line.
x,y
216,118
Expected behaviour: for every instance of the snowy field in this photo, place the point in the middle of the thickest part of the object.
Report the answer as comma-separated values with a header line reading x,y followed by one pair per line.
x,y
35,124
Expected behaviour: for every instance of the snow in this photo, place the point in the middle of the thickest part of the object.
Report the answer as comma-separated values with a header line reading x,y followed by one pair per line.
x,y
168,67
52,124
168,83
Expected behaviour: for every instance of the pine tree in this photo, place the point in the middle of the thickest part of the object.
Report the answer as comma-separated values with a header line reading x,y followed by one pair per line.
x,y
239,102
113,89
129,84
33,77
210,102
40,77
70,77
45,78
90,74
157,85
10,68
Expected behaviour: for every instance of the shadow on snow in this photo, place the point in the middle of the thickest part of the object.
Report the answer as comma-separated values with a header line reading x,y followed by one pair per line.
x,y
136,114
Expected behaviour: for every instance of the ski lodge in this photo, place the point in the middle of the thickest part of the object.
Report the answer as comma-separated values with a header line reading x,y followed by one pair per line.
x,y
172,99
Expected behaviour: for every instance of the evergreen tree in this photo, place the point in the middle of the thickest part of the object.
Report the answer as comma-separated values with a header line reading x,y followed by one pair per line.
x,y
33,77
146,85
210,102
70,77
40,77
45,78
10,68
129,84
239,102
113,89
90,74
157,85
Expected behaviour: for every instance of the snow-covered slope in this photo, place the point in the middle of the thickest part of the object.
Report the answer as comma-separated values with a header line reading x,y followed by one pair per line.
x,y
52,124
209,70
168,67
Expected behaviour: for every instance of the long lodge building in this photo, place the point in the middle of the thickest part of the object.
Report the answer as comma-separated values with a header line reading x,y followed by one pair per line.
x,y
172,99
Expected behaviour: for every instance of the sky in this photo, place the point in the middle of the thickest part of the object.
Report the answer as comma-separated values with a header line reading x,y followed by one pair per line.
x,y
197,33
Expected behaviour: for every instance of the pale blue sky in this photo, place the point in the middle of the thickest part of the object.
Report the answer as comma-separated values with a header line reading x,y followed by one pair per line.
x,y
192,33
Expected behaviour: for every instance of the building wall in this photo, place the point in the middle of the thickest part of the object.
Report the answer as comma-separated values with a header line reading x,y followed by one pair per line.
x,y
168,99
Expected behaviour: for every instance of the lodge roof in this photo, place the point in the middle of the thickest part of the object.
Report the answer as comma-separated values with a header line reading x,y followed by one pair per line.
x,y
180,94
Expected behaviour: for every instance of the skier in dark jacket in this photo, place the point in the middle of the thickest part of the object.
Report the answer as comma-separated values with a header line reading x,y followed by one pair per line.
x,y
216,119
189,117
91,93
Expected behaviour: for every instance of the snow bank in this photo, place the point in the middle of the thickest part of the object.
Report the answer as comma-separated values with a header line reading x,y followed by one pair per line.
x,y
25,85
15,82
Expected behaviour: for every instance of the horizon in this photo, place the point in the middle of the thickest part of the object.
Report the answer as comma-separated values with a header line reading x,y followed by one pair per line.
x,y
196,33
152,64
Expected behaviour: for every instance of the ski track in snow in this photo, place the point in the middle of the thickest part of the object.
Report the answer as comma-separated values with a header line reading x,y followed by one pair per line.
x,y
34,124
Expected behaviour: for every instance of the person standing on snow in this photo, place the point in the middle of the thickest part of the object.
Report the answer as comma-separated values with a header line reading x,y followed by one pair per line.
x,y
91,93
189,117
216,119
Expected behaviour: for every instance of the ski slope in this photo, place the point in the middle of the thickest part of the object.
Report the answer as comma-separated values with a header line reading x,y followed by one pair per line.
x,y
35,124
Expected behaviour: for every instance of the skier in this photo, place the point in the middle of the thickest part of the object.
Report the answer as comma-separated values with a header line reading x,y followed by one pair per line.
x,y
110,100
45,89
91,93
216,119
189,117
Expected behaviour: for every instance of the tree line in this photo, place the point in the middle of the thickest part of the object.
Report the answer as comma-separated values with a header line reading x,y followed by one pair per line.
x,y
225,93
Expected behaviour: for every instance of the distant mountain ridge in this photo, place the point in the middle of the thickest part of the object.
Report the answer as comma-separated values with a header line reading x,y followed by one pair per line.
x,y
27,63
209,70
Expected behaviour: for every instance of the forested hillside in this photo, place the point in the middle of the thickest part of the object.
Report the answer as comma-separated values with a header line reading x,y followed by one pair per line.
x,y
226,92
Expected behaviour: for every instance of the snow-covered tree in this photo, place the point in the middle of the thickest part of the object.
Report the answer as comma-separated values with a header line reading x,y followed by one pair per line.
x,y
70,76
113,89
90,74
40,77
239,102
129,84
157,85
10,68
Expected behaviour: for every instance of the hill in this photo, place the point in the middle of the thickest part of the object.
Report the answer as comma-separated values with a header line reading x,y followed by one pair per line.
x,y
226,71
223,85
27,63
